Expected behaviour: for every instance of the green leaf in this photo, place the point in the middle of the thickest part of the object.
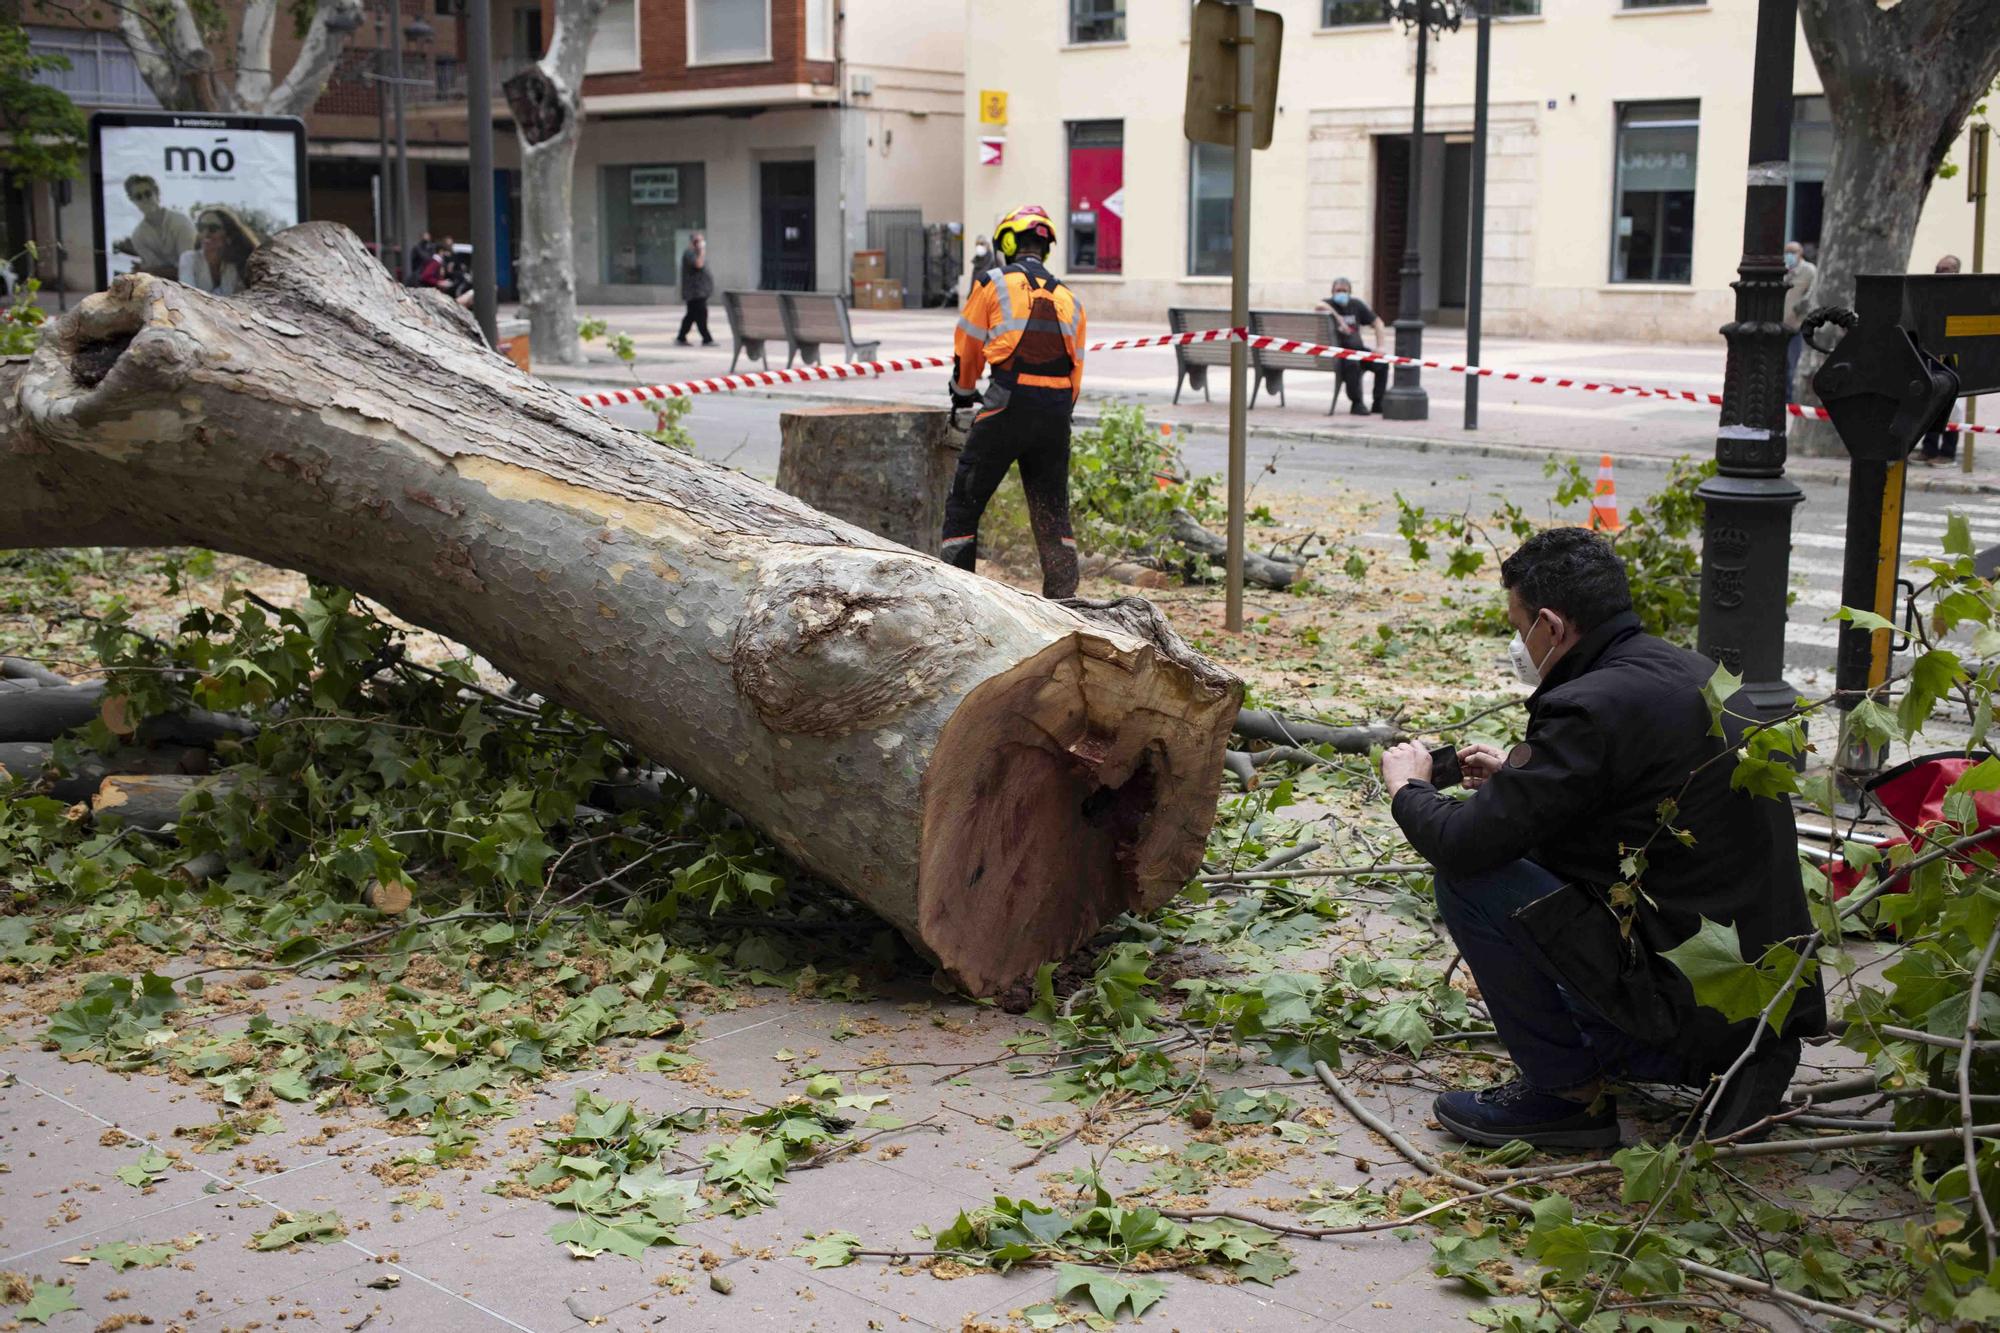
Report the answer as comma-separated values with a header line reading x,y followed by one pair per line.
x,y
829,1249
1109,1294
298,1227
1957,534
1721,687
122,1256
47,1301
1867,620
151,1167
1712,960
290,1085
1646,1170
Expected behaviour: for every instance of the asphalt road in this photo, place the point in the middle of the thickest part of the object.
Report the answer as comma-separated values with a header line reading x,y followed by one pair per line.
x,y
742,431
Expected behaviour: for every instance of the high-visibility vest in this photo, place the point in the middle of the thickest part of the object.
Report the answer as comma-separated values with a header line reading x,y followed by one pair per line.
x,y
1027,328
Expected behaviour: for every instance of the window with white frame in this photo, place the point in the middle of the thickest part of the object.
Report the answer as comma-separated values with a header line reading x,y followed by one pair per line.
x,y
728,31
1096,21
1351,13
819,29
1653,213
101,69
614,47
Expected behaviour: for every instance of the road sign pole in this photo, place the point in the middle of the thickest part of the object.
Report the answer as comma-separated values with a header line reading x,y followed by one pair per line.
x,y
1975,188
1239,303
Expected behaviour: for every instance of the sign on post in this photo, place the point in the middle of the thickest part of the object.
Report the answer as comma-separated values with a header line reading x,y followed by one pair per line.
x,y
1211,87
1232,100
190,196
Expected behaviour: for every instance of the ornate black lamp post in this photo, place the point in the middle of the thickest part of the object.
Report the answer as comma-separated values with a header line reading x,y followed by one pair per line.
x,y
1747,523
1406,399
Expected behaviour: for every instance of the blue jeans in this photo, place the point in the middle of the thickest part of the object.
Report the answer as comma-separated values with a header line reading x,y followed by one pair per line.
x,y
1557,1041
1795,347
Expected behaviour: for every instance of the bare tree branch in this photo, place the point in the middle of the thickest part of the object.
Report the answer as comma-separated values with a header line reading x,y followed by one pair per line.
x,y
253,51
319,55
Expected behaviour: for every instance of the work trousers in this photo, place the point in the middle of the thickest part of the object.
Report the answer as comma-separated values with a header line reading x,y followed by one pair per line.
x,y
1039,442
1351,372
1556,1040
696,318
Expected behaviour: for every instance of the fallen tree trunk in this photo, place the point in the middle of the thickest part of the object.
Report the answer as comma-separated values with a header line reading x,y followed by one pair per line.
x,y
150,801
994,774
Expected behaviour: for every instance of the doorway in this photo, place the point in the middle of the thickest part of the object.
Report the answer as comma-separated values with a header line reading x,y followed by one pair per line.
x,y
1443,239
787,224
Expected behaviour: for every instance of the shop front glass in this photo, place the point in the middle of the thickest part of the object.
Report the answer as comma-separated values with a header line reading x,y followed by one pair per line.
x,y
650,212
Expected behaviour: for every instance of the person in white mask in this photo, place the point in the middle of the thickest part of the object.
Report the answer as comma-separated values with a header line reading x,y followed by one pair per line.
x,y
1537,886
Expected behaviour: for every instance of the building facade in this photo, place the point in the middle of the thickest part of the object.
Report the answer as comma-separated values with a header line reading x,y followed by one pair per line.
x,y
346,132
1615,170
791,132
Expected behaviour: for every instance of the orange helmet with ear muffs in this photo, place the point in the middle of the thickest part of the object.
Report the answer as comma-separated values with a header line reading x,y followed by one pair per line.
x,y
1028,220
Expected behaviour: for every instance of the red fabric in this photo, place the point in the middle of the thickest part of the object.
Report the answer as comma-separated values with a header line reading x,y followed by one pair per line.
x,y
1913,795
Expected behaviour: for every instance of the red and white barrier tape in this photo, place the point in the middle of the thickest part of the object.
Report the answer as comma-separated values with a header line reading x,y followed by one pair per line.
x,y
856,370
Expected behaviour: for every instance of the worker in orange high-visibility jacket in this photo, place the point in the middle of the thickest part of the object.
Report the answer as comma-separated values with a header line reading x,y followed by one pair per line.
x,y
1026,329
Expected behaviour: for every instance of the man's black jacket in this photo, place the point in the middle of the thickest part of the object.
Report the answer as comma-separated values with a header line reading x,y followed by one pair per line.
x,y
1616,728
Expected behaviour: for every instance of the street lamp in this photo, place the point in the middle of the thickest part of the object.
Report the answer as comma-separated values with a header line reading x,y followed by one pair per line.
x,y
1406,399
1747,515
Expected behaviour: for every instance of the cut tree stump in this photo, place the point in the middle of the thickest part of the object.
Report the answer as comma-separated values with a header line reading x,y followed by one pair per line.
x,y
994,774
885,469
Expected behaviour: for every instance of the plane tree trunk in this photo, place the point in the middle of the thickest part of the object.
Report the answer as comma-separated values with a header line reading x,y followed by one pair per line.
x,y
995,774
546,99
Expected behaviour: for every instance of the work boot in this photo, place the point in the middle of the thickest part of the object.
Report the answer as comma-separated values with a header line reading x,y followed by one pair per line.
x,y
1493,1116
1359,410
1756,1092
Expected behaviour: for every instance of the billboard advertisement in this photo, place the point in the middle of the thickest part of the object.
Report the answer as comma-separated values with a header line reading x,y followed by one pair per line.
x,y
190,196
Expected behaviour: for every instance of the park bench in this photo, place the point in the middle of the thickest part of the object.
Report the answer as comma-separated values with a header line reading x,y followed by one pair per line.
x,y
1306,326
812,318
754,319
1192,360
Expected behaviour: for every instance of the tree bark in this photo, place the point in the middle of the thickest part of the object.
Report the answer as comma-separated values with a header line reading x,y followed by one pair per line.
x,y
319,55
1900,82
994,774
547,101
885,469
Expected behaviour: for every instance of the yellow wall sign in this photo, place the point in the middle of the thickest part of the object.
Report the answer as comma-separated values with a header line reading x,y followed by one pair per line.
x,y
992,107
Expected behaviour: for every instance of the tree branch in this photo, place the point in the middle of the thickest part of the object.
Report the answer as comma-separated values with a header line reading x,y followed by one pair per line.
x,y
333,24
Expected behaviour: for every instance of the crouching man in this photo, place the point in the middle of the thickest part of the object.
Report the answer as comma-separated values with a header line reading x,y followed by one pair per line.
x,y
1528,867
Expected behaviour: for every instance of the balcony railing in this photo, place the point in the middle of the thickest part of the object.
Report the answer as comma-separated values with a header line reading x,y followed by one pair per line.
x,y
428,80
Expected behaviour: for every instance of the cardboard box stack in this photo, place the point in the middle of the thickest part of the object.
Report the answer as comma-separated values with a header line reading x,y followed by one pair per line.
x,y
873,288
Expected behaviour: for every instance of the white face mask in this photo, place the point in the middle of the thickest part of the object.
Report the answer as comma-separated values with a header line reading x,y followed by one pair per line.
x,y
1525,667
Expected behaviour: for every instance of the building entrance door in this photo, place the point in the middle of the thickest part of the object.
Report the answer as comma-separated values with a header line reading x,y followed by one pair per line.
x,y
1444,237
787,214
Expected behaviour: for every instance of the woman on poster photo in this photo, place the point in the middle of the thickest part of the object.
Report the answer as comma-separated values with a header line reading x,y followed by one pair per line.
x,y
222,246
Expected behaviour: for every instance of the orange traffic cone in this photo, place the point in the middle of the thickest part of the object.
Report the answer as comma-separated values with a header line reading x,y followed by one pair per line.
x,y
1163,478
1604,505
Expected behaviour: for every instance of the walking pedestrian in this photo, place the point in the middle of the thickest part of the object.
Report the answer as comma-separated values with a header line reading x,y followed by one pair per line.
x,y
1801,290
697,285
1941,446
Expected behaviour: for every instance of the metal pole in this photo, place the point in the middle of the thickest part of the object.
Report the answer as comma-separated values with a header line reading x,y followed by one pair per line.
x,y
479,138
1239,302
1476,266
402,148
1747,519
385,190
1975,187
1406,399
